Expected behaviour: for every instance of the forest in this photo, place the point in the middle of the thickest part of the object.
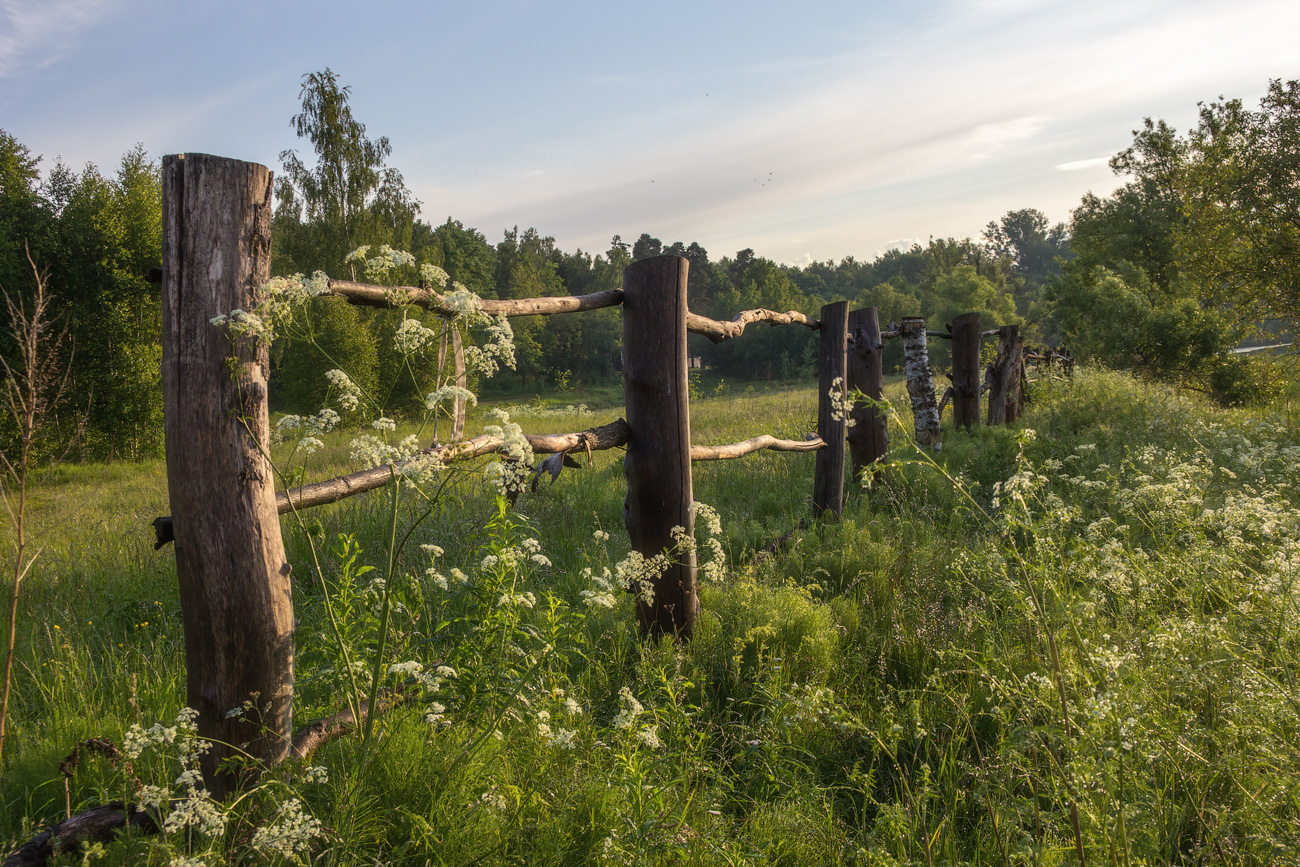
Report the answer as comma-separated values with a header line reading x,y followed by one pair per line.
x,y
1157,277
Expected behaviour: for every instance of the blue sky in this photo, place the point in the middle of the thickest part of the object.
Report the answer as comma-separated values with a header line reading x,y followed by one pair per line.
x,y
804,130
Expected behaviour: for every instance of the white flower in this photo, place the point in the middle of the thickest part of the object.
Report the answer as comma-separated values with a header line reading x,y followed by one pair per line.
x,y
290,833
349,393
384,424
316,774
650,737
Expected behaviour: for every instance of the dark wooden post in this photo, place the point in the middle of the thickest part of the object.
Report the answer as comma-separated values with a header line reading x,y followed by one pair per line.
x,y
230,563
658,462
1016,396
920,382
966,370
1001,371
868,435
832,364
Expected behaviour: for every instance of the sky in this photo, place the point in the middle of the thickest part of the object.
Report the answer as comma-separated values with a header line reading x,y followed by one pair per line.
x,y
806,131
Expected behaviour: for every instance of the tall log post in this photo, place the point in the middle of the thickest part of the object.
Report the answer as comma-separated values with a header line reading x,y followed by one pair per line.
x,y
230,563
868,434
658,462
920,383
1001,371
1016,387
966,370
832,365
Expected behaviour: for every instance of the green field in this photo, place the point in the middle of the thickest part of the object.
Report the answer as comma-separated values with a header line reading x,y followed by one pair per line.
x,y
1077,631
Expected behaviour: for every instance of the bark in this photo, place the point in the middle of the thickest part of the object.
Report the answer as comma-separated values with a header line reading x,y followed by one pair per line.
x,y
966,371
832,376
96,825
1001,371
868,434
230,562
658,462
920,384
369,295
749,446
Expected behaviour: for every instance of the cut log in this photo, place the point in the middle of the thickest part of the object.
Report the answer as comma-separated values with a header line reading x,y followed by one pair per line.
x,y
868,435
966,371
832,425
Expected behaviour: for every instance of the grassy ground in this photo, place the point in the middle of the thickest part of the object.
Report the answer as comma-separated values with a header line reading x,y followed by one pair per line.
x,y
1084,637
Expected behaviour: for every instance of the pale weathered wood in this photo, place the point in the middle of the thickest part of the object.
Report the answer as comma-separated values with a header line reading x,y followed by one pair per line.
x,y
966,370
450,338
868,435
754,444
1000,373
230,562
100,824
719,331
920,383
832,375
370,295
658,462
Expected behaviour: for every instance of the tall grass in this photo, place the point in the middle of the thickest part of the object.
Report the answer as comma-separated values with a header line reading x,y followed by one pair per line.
x,y
1097,621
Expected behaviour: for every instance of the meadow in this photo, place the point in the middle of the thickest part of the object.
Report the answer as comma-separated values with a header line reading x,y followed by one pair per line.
x,y
1074,638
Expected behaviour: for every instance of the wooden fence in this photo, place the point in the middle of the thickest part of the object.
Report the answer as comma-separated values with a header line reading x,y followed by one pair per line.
x,y
231,566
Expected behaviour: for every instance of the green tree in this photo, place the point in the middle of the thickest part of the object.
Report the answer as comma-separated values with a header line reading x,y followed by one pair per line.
x,y
348,198
1238,177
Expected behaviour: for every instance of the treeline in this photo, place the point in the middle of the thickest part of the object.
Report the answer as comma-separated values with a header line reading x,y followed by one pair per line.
x,y
1164,276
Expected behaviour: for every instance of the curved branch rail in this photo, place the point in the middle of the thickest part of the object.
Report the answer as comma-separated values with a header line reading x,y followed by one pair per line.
x,y
609,436
370,295
719,331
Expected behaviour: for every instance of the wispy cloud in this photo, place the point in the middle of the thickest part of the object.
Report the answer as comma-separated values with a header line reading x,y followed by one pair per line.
x,y
37,34
1079,165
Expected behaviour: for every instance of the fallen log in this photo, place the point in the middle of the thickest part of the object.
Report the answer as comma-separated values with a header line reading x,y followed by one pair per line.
x,y
335,726
97,825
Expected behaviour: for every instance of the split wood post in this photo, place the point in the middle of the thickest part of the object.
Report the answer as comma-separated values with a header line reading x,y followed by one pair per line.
x,y
1016,395
234,580
658,461
868,435
1000,373
832,365
920,382
966,370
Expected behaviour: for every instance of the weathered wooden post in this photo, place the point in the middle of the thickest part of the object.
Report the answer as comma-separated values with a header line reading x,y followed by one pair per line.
x,y
1001,371
451,334
966,370
658,462
868,435
832,365
234,580
1016,392
920,382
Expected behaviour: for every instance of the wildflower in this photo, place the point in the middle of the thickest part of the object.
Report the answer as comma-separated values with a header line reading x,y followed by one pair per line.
x,y
316,774
631,709
384,424
449,394
571,707
349,392
290,833
436,712
650,737
563,739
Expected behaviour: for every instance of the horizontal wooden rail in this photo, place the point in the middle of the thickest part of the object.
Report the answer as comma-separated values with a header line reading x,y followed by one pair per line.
x,y
369,295
609,436
718,331
749,446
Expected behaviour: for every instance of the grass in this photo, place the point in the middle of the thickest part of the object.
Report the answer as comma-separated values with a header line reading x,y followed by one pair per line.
x,y
1095,621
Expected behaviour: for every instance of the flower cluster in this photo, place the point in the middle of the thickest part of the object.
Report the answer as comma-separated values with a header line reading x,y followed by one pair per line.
x,y
280,297
290,834
511,474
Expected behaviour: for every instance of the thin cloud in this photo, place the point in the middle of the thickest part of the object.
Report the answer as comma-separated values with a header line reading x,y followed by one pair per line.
x,y
36,35
1079,165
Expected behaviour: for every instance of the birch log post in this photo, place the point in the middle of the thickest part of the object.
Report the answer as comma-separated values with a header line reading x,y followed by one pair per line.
x,y
920,383
234,580
450,338
832,376
966,370
658,462
1001,371
868,434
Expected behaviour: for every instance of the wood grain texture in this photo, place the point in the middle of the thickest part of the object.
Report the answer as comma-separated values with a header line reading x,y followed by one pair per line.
x,y
230,562
1001,372
718,331
966,370
658,462
868,435
832,365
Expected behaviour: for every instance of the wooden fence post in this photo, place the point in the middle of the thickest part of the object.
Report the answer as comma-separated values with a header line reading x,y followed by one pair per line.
x,y
234,580
920,382
1016,396
868,435
1001,371
966,370
658,461
832,365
